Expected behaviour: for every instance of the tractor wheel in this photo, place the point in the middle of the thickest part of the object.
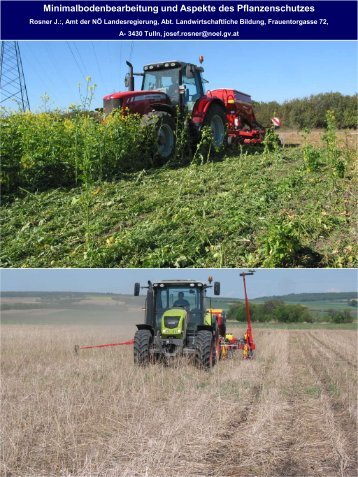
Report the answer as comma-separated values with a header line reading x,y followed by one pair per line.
x,y
165,133
205,349
216,119
142,341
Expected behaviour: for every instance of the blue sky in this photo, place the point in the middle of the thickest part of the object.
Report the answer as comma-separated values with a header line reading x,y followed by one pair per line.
x,y
268,70
264,282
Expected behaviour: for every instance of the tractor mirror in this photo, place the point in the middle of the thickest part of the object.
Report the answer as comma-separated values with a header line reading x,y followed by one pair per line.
x,y
136,289
216,288
126,80
189,72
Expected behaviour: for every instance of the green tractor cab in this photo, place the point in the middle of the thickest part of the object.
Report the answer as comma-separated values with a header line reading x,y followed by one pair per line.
x,y
176,323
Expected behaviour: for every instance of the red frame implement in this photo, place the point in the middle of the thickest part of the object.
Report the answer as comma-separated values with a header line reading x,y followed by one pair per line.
x,y
129,342
250,337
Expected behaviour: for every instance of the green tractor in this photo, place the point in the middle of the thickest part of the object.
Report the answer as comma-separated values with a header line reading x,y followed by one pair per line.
x,y
178,322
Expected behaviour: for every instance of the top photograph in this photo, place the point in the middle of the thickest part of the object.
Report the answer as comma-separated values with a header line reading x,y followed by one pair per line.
x,y
138,154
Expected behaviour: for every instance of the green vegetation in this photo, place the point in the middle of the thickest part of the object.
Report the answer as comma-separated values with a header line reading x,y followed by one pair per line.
x,y
82,148
244,211
274,310
344,316
268,207
281,312
310,112
319,304
298,326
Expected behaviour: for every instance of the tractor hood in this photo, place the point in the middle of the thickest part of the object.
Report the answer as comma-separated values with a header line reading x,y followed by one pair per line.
x,y
130,99
174,322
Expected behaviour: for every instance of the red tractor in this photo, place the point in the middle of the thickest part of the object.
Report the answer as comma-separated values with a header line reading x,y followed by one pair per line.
x,y
175,86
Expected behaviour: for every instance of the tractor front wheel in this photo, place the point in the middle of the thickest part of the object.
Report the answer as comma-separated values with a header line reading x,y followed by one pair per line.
x,y
165,133
216,120
142,342
205,349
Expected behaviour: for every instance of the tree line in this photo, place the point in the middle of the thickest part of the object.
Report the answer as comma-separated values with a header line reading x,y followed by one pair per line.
x,y
279,311
310,112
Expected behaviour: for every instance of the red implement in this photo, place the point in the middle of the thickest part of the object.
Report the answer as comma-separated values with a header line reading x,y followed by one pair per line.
x,y
249,338
129,342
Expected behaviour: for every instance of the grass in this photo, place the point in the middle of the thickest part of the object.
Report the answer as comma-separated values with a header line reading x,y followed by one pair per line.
x,y
290,411
249,209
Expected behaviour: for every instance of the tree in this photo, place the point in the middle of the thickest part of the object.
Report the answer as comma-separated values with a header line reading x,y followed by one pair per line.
x,y
340,316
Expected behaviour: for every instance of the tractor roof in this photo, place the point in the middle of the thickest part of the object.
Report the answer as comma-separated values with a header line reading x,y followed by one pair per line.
x,y
179,282
168,64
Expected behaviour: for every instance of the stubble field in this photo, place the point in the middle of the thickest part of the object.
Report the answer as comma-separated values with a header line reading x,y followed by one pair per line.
x,y
291,411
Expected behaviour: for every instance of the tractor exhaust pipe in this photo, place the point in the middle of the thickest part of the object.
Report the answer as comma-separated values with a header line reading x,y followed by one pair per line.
x,y
130,77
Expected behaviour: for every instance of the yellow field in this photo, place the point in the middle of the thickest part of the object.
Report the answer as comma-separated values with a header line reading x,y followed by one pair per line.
x,y
292,411
345,138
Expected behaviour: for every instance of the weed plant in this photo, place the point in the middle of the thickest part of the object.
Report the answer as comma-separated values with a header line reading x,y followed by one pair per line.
x,y
94,196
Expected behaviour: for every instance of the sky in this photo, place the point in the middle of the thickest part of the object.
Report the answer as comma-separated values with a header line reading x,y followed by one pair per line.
x,y
267,70
265,282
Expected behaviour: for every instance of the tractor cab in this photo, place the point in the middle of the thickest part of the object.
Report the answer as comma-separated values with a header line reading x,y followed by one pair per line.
x,y
180,81
186,295
189,297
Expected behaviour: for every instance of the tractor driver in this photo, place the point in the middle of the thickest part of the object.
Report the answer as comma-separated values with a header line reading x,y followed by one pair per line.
x,y
181,302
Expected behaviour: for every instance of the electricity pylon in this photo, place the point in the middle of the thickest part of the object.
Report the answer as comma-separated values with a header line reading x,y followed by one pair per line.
x,y
12,79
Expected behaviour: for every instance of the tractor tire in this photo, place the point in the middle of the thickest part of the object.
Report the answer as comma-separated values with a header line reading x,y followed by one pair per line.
x,y
165,133
142,342
205,350
216,119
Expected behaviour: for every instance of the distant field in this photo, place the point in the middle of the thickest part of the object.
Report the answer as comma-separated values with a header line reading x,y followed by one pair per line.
x,y
346,138
92,309
95,310
290,411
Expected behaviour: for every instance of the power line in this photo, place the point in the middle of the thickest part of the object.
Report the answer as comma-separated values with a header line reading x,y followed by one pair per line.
x,y
97,62
77,63
80,58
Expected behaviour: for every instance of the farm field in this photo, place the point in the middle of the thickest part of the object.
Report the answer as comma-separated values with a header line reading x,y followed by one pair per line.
x,y
345,138
247,210
290,411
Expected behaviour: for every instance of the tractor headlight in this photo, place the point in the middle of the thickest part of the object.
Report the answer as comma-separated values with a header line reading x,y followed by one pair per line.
x,y
110,104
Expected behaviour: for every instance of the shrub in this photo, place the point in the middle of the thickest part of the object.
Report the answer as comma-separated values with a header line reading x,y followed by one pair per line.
x,y
48,150
344,316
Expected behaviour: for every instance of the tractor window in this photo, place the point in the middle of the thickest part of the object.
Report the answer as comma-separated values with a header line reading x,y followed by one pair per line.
x,y
186,297
178,296
166,81
193,88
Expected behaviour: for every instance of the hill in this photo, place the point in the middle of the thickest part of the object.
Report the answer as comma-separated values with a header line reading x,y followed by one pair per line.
x,y
342,297
319,304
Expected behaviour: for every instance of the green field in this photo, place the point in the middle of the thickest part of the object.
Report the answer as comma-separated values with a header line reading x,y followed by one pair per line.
x,y
319,304
247,210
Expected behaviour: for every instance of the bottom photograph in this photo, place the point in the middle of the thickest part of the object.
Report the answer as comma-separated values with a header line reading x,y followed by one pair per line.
x,y
179,372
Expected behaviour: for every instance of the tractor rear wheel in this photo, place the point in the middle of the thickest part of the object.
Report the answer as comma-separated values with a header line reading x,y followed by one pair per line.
x,y
165,133
205,349
216,120
142,342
